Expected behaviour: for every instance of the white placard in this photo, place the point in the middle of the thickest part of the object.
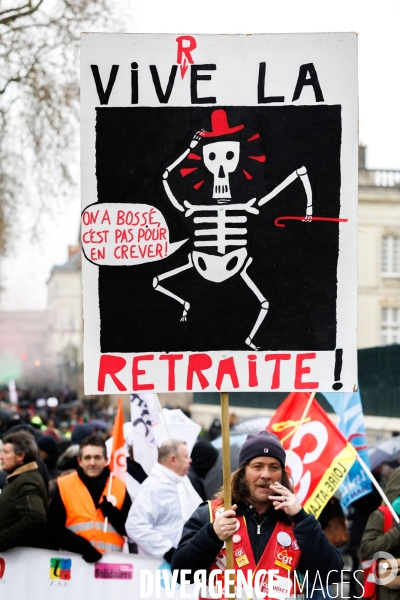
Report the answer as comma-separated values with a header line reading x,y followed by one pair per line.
x,y
219,199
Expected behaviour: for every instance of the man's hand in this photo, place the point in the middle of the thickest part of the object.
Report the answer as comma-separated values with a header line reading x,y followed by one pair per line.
x,y
225,523
107,508
91,555
284,499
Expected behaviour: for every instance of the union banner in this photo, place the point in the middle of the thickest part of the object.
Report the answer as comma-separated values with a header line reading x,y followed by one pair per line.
x,y
318,455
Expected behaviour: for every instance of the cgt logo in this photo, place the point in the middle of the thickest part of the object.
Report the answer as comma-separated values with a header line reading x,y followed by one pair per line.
x,y
284,557
2,567
60,568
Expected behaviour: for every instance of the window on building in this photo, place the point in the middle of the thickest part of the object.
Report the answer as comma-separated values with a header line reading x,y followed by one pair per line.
x,y
390,256
390,326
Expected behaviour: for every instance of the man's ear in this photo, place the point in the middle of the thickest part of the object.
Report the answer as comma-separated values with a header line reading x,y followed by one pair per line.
x,y
79,461
21,457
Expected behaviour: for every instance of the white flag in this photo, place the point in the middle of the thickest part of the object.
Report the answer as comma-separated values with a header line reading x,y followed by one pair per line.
x,y
144,416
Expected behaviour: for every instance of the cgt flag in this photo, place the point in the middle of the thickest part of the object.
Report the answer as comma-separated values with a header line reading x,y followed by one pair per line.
x,y
320,456
118,457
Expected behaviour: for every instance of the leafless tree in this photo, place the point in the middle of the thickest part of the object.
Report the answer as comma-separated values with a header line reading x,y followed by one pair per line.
x,y
39,93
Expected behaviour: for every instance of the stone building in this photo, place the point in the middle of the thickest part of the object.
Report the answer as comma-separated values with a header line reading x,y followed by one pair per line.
x,y
64,338
378,256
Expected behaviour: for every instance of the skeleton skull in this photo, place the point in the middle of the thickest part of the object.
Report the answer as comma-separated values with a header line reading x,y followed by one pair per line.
x,y
221,158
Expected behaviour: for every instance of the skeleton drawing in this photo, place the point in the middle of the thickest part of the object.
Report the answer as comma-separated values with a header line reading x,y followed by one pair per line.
x,y
224,220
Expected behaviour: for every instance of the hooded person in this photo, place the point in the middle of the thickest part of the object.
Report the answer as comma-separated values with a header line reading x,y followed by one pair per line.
x,y
268,526
5,418
48,452
382,534
80,432
204,456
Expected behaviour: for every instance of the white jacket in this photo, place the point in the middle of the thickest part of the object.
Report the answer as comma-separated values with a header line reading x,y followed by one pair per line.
x,y
162,505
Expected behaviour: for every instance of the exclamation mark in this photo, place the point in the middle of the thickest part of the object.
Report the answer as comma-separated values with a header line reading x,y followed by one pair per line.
x,y
166,249
338,369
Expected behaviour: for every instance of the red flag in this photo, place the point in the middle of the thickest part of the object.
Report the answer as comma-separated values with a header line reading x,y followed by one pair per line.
x,y
118,457
320,456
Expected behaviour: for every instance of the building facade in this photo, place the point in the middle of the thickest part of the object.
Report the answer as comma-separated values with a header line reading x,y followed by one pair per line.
x,y
64,339
378,256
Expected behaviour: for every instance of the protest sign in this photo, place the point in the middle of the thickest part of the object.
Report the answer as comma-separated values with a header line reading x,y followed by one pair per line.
x,y
219,207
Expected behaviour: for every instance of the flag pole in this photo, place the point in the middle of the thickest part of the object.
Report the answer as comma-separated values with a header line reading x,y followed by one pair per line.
x,y
378,487
112,466
303,418
108,493
163,419
226,471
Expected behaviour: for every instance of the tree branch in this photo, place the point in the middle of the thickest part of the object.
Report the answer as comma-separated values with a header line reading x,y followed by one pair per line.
x,y
18,13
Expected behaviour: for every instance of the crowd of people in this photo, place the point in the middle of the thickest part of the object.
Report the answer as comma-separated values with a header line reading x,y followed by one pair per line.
x,y
57,492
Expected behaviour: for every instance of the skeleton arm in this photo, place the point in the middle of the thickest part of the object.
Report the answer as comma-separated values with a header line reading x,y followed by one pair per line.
x,y
302,173
174,201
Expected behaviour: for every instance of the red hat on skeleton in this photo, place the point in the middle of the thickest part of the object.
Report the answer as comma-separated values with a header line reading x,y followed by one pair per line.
x,y
219,125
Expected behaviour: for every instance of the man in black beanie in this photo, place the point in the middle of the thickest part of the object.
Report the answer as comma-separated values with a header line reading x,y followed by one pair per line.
x,y
268,526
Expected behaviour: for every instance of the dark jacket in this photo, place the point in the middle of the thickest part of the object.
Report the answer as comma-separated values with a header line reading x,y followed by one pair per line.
x,y
374,540
199,544
197,482
68,540
204,456
23,503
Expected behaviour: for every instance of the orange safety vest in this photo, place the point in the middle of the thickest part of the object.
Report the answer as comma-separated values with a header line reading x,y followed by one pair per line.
x,y
84,518
369,566
281,553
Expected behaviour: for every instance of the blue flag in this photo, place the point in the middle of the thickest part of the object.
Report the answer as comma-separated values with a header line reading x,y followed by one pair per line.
x,y
350,422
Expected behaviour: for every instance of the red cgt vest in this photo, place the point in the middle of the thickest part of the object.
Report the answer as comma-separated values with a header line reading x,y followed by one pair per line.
x,y
282,553
370,587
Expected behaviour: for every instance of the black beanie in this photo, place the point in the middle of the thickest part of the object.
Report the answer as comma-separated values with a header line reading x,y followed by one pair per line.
x,y
48,444
262,444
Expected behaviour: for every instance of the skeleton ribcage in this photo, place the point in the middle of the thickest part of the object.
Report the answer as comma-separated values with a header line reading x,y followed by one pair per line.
x,y
220,230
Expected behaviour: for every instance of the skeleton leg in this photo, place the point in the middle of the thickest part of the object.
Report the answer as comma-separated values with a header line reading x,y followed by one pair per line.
x,y
159,288
263,301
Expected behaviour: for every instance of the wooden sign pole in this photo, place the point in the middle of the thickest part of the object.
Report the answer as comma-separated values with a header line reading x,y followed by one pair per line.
x,y
226,468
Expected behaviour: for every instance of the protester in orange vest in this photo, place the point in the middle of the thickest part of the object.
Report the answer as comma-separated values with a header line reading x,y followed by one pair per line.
x,y
82,503
270,528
